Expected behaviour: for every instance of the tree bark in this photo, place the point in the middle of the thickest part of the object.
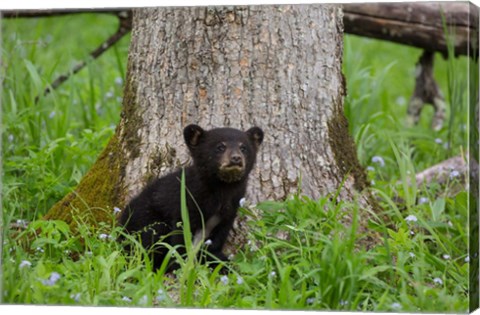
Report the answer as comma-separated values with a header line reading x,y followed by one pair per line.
x,y
276,67
417,24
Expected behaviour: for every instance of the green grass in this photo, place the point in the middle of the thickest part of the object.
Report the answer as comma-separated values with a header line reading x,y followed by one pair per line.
x,y
299,255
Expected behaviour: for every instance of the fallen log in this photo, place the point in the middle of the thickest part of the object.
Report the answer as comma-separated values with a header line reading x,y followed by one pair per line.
x,y
417,24
455,168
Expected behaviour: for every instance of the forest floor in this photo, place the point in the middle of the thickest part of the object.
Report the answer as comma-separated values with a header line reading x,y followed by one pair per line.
x,y
422,263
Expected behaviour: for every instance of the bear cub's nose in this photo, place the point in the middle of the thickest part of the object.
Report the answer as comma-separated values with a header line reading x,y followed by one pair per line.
x,y
236,160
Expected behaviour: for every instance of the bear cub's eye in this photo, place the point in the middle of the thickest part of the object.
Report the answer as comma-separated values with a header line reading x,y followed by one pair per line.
x,y
221,147
243,148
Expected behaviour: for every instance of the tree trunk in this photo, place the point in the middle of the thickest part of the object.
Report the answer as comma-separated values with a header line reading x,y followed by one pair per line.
x,y
276,67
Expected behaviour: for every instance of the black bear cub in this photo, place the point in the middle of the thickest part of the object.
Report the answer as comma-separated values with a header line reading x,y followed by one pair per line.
x,y
215,183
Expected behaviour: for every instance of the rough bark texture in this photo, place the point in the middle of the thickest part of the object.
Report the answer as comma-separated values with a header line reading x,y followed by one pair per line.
x,y
416,24
277,67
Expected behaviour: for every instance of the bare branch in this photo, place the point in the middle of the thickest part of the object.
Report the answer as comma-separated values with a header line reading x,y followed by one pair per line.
x,y
125,25
9,14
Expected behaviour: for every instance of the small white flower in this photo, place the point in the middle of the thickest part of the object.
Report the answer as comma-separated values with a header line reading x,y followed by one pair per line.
x,y
310,300
423,200
370,168
396,305
242,202
24,263
438,141
109,94
126,299
116,210
411,254
160,297
438,281
118,81
467,259
379,160
224,280
208,242
239,280
253,247
39,249
22,223
52,114
11,138
75,297
450,224
411,218
412,233
143,300
454,174
54,277
103,236
343,302
230,257
401,101
272,274
372,183
446,257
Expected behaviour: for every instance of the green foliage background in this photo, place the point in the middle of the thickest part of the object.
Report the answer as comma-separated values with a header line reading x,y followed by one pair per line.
x,y
47,147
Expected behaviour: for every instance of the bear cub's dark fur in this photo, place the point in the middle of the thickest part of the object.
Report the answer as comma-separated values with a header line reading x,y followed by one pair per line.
x,y
215,183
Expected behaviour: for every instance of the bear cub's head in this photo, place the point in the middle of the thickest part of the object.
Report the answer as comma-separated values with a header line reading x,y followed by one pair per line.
x,y
226,154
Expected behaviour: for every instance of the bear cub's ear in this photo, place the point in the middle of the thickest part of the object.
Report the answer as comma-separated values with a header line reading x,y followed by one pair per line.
x,y
192,134
255,135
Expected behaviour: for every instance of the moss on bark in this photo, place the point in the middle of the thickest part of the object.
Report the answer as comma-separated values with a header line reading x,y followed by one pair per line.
x,y
344,149
345,154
